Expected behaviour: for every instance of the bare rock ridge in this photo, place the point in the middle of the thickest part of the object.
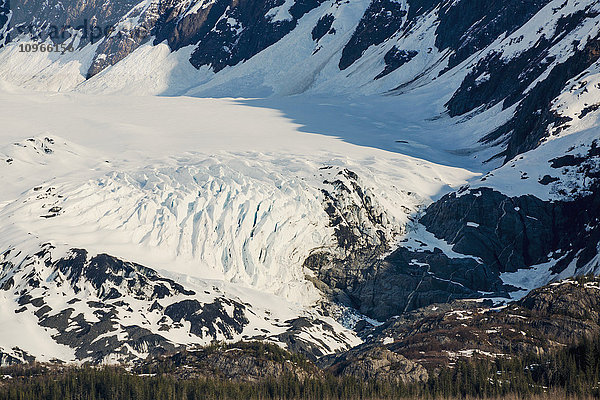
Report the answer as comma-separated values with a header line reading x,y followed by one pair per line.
x,y
545,320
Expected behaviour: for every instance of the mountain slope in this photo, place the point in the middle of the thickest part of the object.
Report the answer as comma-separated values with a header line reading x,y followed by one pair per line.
x,y
386,156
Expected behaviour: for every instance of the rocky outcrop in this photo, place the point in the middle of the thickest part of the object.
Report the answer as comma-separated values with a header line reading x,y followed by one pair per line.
x,y
258,361
535,115
469,26
15,357
242,361
323,27
379,364
547,319
210,319
113,278
362,233
394,59
407,280
510,233
246,28
381,20
565,311
360,275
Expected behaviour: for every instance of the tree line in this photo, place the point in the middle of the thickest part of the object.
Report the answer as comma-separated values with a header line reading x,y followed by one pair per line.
x,y
574,371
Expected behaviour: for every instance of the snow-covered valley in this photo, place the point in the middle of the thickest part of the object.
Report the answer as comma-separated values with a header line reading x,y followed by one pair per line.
x,y
208,192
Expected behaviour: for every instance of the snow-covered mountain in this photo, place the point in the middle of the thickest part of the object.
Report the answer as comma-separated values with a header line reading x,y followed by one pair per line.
x,y
190,171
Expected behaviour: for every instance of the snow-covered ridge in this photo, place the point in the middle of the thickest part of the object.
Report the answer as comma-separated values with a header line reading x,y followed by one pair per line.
x,y
77,307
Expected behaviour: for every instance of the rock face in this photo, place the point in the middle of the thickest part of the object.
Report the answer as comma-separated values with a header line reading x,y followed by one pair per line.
x,y
246,28
548,318
360,275
382,19
394,59
200,317
362,229
378,363
524,132
509,233
565,311
407,280
469,26
243,361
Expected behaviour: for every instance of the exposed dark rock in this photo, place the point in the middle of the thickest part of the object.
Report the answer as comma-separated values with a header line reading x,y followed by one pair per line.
x,y
347,204
357,276
569,160
487,85
210,319
517,232
16,357
468,26
496,233
547,179
220,44
408,280
394,59
150,21
534,114
381,20
323,27
377,363
403,281
589,109
106,273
